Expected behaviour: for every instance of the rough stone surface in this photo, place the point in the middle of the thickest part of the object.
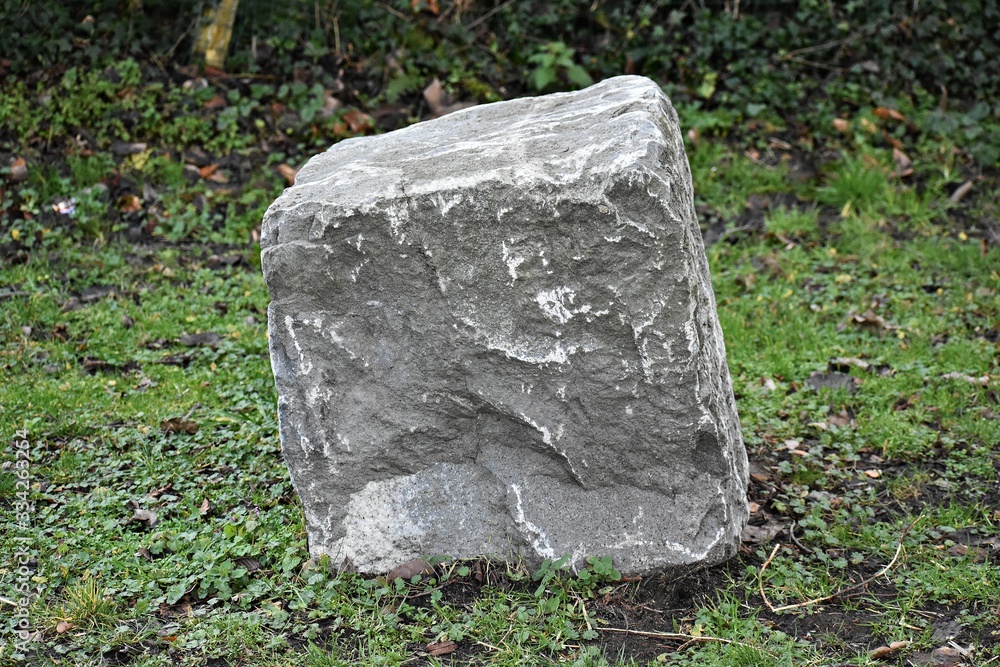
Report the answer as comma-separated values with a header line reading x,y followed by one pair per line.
x,y
494,334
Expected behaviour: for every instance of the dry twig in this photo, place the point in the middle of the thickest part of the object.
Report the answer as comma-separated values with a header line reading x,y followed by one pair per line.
x,y
583,608
488,14
679,637
672,636
791,534
840,593
960,192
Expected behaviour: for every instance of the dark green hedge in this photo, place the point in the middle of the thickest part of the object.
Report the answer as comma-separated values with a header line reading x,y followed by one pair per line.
x,y
764,53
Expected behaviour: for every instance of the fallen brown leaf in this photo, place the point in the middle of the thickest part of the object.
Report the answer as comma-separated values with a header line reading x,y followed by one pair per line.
x,y
433,95
288,172
430,5
410,569
959,550
19,170
213,72
156,493
129,204
870,319
441,648
150,517
207,170
63,626
763,533
177,425
331,105
893,141
196,156
358,121
841,419
440,102
904,166
886,113
215,102
218,177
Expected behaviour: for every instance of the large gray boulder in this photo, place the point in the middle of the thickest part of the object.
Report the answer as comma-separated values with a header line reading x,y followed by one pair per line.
x,y
494,334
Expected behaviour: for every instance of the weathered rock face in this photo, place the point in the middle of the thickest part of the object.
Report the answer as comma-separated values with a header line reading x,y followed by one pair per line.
x,y
495,334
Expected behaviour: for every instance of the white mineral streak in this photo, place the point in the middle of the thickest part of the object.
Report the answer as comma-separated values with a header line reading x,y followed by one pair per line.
x,y
633,539
322,522
304,444
317,393
539,540
339,341
399,215
512,261
327,217
557,304
446,205
549,440
538,353
552,303
304,364
356,271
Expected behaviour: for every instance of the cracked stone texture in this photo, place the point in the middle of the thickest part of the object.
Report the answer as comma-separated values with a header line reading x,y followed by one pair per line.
x,y
495,334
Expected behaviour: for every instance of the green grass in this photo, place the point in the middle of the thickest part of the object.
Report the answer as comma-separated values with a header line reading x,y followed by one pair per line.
x,y
101,387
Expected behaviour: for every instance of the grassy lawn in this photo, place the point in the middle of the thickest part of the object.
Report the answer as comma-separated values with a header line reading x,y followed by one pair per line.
x,y
148,517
